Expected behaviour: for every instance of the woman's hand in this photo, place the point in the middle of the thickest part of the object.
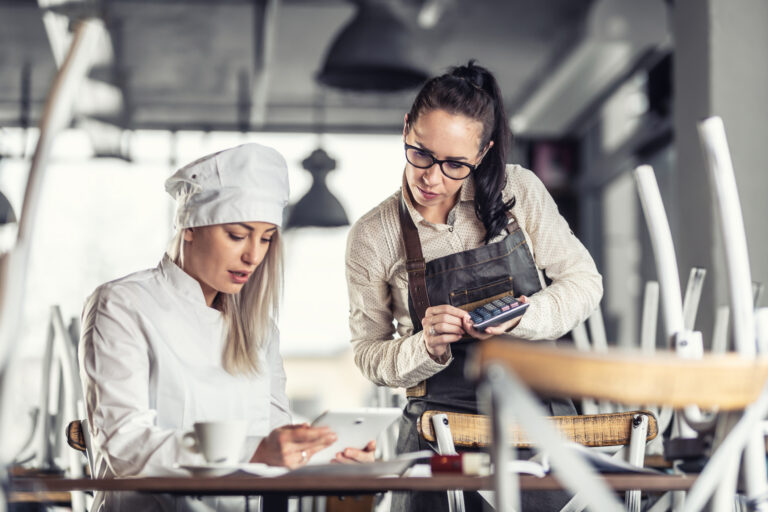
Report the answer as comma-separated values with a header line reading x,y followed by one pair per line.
x,y
355,455
443,325
293,445
496,329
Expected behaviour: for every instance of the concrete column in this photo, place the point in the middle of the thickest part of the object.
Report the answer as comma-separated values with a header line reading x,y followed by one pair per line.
x,y
720,69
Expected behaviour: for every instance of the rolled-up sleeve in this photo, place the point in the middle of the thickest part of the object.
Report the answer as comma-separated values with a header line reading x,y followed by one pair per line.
x,y
383,355
576,287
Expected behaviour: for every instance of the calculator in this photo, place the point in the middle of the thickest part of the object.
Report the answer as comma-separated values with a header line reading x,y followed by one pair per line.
x,y
497,311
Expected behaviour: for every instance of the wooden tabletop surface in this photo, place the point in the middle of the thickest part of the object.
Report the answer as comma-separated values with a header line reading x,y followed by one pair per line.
x,y
239,484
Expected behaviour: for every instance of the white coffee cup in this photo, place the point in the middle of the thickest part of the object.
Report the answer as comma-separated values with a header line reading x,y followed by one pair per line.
x,y
218,441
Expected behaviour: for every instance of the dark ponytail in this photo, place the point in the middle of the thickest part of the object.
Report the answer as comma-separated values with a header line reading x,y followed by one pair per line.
x,y
472,91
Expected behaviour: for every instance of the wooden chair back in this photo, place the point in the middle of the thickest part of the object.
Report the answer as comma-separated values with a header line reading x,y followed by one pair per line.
x,y
726,381
593,430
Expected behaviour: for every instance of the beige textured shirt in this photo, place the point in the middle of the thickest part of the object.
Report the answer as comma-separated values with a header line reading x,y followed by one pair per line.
x,y
386,350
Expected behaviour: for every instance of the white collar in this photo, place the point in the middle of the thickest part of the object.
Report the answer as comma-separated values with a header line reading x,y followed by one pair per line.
x,y
184,284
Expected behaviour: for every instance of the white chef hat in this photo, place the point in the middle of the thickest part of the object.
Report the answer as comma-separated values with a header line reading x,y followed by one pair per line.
x,y
247,183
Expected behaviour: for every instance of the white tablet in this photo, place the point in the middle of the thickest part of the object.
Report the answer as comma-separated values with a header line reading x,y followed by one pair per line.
x,y
354,428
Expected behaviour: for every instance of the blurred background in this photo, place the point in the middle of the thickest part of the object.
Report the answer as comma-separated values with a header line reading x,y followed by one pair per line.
x,y
592,87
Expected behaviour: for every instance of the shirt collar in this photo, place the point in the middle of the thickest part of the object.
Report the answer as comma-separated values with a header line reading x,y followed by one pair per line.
x,y
467,193
184,284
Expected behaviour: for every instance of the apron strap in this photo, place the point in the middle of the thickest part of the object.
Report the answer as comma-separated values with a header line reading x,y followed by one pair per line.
x,y
415,265
414,260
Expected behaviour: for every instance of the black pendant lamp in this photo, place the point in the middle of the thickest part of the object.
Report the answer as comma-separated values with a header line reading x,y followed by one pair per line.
x,y
6,211
318,207
376,51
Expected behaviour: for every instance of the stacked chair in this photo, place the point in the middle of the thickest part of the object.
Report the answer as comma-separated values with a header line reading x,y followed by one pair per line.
x,y
45,452
719,396
619,432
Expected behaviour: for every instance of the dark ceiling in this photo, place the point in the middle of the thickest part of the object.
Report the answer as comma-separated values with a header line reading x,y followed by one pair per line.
x,y
251,65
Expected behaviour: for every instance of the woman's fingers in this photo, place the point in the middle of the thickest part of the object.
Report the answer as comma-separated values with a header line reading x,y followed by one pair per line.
x,y
442,325
304,433
306,452
352,456
447,319
293,445
437,334
502,328
310,445
436,322
309,439
355,455
480,335
446,309
447,328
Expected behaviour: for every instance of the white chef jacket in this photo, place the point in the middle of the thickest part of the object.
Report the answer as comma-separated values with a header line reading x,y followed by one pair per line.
x,y
151,366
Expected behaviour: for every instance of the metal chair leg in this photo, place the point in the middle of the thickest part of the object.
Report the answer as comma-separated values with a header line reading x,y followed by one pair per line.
x,y
636,457
506,487
445,447
731,448
693,296
575,474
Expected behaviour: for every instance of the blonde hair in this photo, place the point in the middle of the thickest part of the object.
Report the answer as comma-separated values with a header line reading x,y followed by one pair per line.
x,y
250,315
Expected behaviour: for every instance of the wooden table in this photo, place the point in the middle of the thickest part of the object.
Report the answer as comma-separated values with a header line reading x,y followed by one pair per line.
x,y
241,485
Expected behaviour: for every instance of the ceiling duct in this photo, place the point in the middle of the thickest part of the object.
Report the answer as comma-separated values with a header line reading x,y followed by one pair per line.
x,y
617,34
376,51
319,207
107,140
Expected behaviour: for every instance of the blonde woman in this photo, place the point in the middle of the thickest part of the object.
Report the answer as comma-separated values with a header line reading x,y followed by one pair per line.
x,y
195,339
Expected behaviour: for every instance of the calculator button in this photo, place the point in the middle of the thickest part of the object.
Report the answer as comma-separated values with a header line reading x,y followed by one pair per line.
x,y
506,307
489,307
485,314
498,303
476,317
509,299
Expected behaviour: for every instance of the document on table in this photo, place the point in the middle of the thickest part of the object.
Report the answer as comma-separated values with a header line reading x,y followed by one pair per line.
x,y
606,464
393,467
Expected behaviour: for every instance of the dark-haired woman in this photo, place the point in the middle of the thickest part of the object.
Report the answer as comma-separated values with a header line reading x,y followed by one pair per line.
x,y
485,229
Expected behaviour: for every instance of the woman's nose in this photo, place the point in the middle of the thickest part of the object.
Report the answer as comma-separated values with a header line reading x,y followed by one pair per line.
x,y
250,254
432,174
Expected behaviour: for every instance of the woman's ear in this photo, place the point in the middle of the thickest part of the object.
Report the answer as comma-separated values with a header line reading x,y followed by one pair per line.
x,y
487,149
189,234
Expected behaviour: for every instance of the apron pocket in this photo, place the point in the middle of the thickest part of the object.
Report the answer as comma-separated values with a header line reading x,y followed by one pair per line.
x,y
470,298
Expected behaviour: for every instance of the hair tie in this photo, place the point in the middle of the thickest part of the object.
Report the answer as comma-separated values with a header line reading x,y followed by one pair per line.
x,y
472,83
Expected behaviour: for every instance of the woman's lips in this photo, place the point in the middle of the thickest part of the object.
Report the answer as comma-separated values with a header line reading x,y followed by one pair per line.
x,y
427,195
239,277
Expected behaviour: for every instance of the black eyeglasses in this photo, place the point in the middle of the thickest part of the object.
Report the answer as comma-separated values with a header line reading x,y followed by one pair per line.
x,y
452,169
